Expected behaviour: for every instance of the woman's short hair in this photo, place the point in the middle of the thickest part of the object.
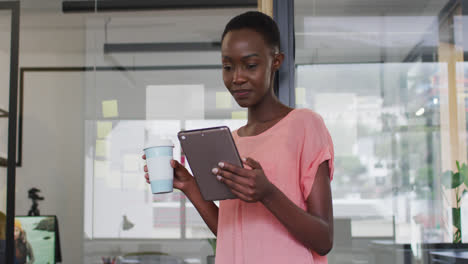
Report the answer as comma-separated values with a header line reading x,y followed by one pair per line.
x,y
256,21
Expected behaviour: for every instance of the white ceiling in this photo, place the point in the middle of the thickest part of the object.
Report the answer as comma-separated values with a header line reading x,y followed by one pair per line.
x,y
355,31
367,7
327,31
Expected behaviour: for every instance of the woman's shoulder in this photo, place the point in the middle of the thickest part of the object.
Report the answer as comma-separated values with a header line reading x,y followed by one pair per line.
x,y
309,124
307,117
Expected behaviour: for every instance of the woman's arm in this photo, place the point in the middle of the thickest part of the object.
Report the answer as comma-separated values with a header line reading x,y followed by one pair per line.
x,y
207,209
185,182
313,228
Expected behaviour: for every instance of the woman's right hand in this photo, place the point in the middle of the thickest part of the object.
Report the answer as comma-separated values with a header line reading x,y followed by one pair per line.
x,y
182,178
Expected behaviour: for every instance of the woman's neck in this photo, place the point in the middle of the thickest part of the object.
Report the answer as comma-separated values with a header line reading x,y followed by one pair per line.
x,y
263,116
267,110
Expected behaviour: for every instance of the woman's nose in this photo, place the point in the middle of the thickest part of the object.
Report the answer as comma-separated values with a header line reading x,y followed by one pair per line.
x,y
238,77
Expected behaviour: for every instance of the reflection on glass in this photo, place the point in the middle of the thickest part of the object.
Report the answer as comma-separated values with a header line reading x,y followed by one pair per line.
x,y
123,205
387,149
125,111
175,102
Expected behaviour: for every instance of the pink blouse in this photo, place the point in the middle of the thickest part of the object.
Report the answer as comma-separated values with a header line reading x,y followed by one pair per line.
x,y
289,153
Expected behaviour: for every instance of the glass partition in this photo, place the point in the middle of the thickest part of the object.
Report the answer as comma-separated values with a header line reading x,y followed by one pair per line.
x,y
95,87
133,96
5,51
377,75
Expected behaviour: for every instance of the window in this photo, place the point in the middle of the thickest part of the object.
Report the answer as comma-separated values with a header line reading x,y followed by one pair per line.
x,y
379,77
156,95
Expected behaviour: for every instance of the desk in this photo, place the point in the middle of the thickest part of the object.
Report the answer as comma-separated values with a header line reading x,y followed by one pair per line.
x,y
388,252
449,256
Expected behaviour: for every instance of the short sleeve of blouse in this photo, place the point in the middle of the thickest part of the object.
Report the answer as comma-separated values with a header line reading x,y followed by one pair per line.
x,y
317,147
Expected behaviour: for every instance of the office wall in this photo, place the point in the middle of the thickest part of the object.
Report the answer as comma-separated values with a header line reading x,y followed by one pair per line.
x,y
128,89
53,124
53,127
56,104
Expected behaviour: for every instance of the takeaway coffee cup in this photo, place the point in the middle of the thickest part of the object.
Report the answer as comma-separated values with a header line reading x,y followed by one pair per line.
x,y
158,156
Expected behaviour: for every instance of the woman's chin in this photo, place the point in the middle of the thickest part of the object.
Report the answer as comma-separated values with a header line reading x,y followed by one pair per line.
x,y
244,103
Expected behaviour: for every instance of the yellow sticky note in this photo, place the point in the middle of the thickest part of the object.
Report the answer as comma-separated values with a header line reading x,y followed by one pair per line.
x,y
101,148
110,108
300,96
223,100
239,115
131,162
103,128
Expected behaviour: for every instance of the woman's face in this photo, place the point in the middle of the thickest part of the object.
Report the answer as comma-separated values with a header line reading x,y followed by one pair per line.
x,y
17,233
248,66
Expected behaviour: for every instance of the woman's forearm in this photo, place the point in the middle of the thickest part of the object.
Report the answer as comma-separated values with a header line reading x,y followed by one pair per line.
x,y
312,231
207,209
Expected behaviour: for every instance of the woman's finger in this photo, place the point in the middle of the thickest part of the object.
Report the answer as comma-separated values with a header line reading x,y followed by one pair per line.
x,y
175,164
226,166
231,176
145,168
252,163
234,185
144,156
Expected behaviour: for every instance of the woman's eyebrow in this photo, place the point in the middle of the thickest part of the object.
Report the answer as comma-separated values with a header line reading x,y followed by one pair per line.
x,y
250,55
244,57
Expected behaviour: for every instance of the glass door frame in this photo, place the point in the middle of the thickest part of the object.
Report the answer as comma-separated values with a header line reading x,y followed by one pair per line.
x,y
14,7
283,14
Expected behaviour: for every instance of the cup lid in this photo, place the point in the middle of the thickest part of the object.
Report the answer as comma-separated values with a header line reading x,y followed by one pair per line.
x,y
159,143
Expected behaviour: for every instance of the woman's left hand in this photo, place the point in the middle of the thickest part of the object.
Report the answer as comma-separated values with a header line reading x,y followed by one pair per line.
x,y
250,185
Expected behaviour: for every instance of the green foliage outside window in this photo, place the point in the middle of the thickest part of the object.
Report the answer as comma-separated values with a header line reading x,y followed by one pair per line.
x,y
454,181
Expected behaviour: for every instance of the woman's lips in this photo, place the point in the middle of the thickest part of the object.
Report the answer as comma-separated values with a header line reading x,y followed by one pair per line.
x,y
241,93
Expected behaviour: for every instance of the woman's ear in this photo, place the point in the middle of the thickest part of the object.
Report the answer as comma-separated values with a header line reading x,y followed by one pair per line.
x,y
277,60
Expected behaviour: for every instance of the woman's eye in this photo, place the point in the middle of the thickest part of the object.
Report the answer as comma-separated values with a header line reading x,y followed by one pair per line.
x,y
226,67
251,66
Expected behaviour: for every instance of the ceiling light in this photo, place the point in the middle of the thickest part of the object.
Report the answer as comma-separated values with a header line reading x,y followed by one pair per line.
x,y
420,112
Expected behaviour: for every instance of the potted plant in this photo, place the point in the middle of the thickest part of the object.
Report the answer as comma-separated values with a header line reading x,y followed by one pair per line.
x,y
211,258
456,184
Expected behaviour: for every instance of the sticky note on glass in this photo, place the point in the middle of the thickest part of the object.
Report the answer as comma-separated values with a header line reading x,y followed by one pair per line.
x,y
300,96
239,115
103,128
101,148
223,100
110,109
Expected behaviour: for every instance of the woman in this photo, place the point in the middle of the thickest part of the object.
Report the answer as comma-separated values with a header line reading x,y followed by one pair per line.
x,y
284,211
23,251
